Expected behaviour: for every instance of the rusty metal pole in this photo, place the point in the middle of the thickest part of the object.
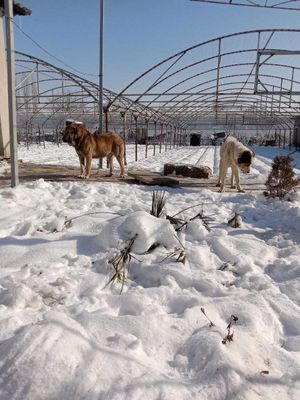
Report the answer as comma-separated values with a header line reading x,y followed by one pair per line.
x,y
284,137
175,136
166,138
160,138
106,119
123,116
154,144
279,142
136,137
11,92
146,140
290,140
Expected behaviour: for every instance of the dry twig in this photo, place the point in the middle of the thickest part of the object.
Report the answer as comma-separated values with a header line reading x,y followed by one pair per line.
x,y
229,336
210,322
68,221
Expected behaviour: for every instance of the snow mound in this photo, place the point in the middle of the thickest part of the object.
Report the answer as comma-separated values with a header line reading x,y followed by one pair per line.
x,y
148,230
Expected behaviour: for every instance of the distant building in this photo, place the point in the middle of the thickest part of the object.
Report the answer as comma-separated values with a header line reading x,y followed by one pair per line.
x,y
219,135
195,139
218,138
4,121
296,140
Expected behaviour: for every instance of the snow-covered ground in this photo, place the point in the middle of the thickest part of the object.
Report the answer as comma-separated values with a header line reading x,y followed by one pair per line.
x,y
65,335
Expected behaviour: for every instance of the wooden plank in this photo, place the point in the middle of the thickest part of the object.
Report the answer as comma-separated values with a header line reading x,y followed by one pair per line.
x,y
153,178
57,173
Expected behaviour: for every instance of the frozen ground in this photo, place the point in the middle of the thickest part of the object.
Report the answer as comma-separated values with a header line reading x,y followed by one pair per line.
x,y
64,335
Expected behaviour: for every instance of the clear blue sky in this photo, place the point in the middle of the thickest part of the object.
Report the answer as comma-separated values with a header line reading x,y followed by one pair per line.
x,y
138,33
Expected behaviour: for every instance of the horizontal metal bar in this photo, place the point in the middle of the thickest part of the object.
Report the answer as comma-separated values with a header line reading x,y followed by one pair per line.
x,y
278,92
278,52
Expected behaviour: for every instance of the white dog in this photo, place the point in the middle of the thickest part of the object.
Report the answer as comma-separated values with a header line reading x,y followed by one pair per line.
x,y
237,156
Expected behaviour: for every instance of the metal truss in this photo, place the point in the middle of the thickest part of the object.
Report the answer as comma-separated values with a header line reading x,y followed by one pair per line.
x,y
47,95
245,79
238,79
293,5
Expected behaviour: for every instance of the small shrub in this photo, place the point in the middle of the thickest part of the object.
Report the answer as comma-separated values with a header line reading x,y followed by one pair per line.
x,y
281,179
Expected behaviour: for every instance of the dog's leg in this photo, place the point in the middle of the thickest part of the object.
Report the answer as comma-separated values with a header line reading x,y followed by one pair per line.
x,y
220,167
120,160
82,167
236,173
232,176
110,165
88,164
223,172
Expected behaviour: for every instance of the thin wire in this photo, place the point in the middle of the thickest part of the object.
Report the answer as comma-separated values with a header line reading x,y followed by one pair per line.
x,y
52,55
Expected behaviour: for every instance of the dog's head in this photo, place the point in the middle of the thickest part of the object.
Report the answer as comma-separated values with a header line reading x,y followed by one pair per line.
x,y
245,160
71,134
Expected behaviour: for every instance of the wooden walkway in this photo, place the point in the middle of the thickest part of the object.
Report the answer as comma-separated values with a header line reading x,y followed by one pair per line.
x,y
30,172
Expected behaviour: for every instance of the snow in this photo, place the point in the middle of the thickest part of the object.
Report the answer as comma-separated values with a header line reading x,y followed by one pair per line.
x,y
66,334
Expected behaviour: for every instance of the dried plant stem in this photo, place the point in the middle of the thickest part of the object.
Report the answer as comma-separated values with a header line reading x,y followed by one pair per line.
x,y
229,336
178,252
158,203
210,322
180,223
196,205
120,264
68,221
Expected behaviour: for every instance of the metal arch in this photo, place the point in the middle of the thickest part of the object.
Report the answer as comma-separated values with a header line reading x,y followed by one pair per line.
x,y
214,86
50,80
293,5
189,49
179,108
48,94
162,99
202,95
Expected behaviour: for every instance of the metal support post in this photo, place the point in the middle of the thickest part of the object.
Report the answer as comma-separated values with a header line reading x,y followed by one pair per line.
x,y
106,119
136,137
123,116
11,92
160,138
154,144
101,74
146,140
166,138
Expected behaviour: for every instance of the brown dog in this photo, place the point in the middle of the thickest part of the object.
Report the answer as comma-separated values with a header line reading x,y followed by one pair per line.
x,y
90,145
